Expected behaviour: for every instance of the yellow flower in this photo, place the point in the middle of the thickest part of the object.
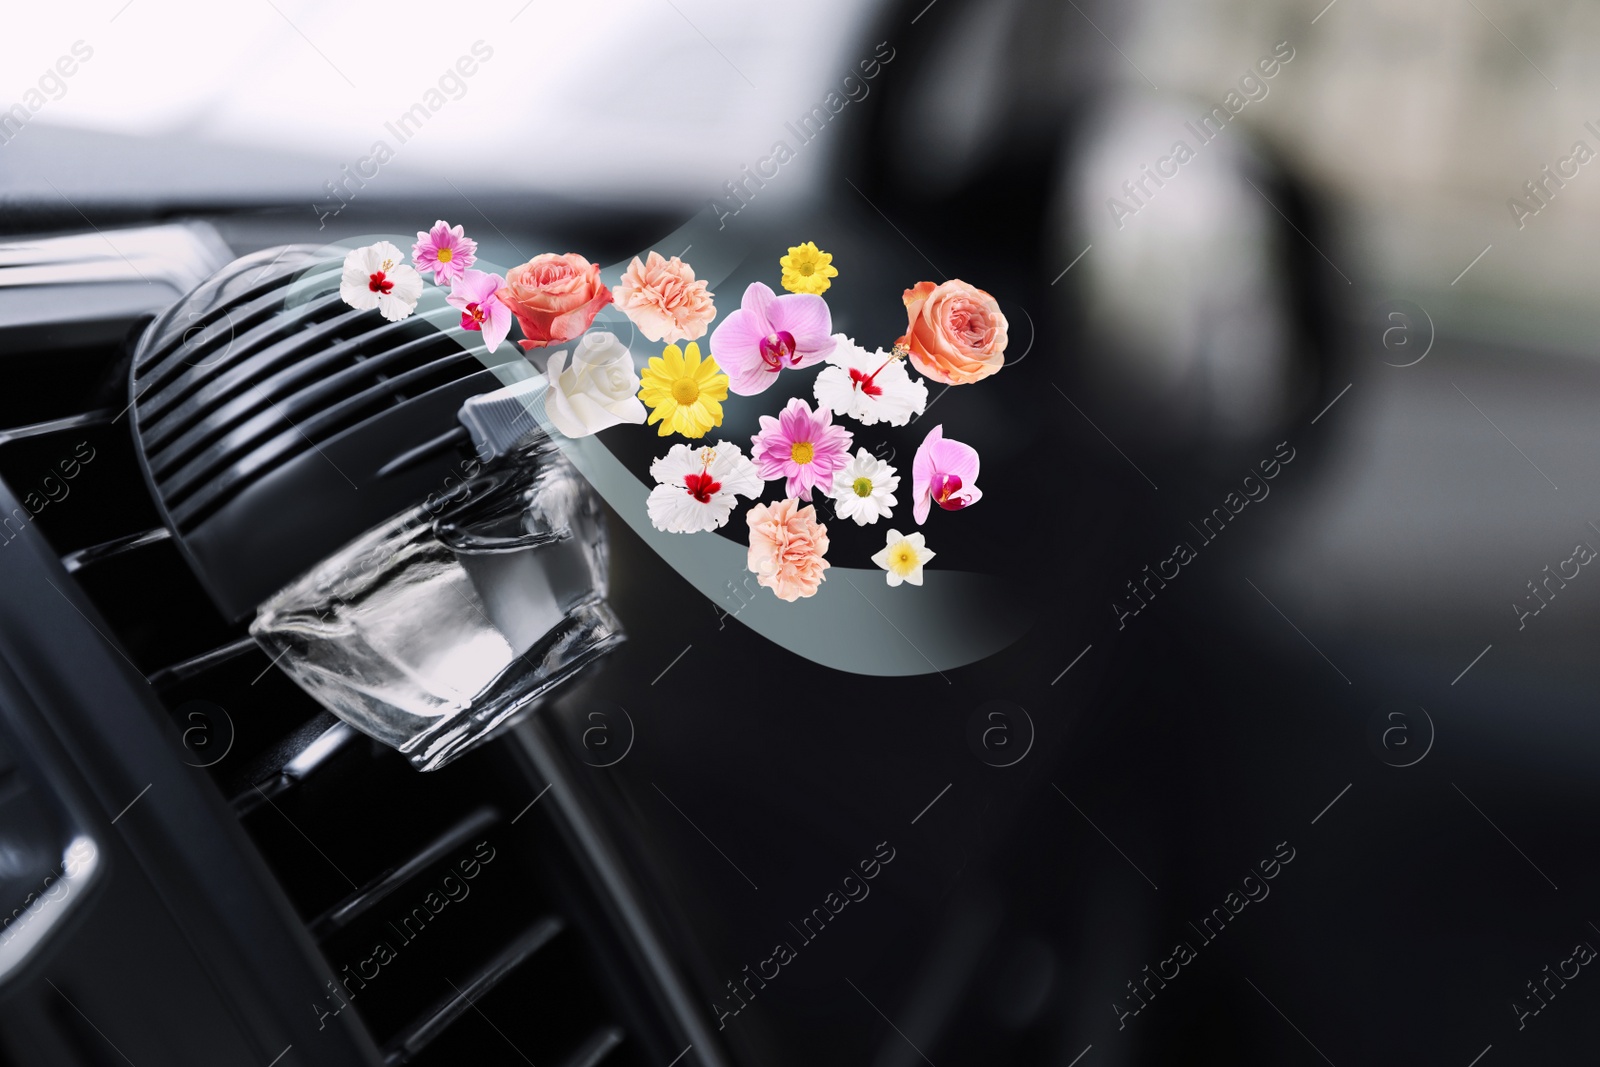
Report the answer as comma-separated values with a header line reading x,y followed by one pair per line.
x,y
806,269
684,392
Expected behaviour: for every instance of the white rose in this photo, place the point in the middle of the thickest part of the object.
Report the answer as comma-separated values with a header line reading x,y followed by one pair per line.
x,y
597,390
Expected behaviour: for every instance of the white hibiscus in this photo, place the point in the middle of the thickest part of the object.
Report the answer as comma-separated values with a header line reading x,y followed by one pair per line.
x,y
378,276
698,486
870,387
903,556
864,489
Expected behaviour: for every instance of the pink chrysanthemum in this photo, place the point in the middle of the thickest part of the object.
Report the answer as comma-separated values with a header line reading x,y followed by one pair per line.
x,y
801,446
445,250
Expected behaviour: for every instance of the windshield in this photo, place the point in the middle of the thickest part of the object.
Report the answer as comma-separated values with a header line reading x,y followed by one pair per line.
x,y
663,101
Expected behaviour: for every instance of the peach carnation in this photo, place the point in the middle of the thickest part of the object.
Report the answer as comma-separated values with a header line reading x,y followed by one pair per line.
x,y
787,544
955,331
662,298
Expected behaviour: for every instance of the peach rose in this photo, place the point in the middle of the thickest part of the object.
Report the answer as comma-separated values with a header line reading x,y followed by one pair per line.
x,y
554,298
662,298
955,331
787,544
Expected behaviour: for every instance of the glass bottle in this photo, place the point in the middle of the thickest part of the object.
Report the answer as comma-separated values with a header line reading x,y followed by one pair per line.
x,y
433,630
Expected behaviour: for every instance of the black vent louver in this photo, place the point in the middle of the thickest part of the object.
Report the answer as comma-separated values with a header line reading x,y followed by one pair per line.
x,y
269,415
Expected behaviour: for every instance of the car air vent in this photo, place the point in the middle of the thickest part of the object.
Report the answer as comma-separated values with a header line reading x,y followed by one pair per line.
x,y
275,422
458,921
76,296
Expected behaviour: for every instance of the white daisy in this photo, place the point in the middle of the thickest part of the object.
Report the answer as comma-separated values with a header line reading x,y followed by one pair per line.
x,y
698,486
378,276
870,387
903,556
864,489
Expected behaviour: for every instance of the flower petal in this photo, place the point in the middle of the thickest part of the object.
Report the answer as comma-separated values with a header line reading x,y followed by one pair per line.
x,y
497,323
758,299
796,421
671,361
807,317
736,346
740,332
751,379
922,465
957,458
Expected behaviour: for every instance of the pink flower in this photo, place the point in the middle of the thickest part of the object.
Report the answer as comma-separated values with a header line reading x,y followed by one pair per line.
x,y
554,297
769,333
802,446
955,331
662,298
787,544
473,294
944,473
445,250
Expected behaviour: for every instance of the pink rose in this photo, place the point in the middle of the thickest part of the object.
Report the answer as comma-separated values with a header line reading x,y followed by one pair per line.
x,y
554,298
787,544
955,331
662,298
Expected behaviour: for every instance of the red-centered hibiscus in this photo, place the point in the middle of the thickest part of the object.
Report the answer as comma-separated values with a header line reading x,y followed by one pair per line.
x,y
697,487
870,387
701,486
377,277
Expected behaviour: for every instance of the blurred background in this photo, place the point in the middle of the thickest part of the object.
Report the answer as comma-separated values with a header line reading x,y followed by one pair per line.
x,y
1420,118
1361,268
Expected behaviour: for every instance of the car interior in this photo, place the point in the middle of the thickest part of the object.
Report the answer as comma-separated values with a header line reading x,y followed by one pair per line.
x,y
1247,724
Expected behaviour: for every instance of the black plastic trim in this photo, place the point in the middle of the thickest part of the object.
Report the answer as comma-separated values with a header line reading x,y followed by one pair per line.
x,y
429,1026
362,900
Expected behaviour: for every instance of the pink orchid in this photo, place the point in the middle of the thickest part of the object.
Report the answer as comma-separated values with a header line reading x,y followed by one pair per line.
x,y
944,473
445,250
801,446
473,294
769,333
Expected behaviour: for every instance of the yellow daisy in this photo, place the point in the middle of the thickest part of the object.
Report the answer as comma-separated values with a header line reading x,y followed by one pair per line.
x,y
807,269
684,392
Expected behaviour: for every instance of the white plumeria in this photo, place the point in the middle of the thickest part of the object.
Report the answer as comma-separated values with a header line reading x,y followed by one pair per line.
x,y
378,276
864,489
903,556
881,389
698,486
